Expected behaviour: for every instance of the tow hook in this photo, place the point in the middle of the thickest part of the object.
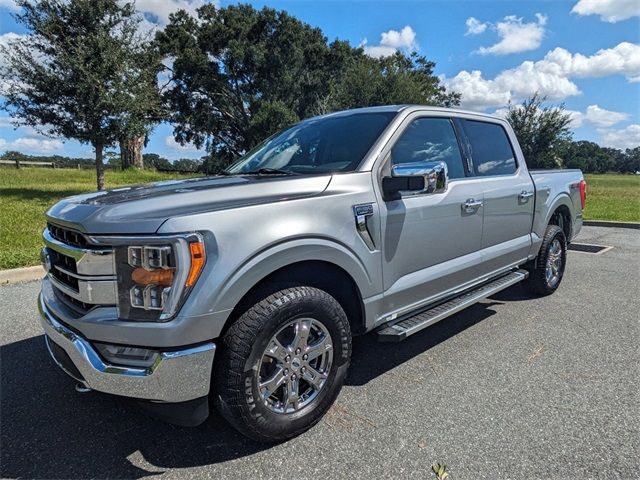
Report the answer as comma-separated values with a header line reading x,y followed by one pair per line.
x,y
82,388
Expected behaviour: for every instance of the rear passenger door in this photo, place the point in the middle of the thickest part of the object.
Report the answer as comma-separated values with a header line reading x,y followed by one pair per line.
x,y
508,193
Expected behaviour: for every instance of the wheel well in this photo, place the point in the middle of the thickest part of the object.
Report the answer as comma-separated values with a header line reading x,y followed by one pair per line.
x,y
562,218
313,273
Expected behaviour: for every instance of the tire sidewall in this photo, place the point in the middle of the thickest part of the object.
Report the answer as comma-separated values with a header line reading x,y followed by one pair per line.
x,y
560,236
282,311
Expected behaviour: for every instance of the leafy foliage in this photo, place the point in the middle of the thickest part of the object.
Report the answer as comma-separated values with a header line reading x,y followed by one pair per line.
x,y
397,79
541,131
83,72
440,470
240,74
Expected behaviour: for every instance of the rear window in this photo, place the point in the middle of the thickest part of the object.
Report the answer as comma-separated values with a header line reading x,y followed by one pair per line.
x,y
490,148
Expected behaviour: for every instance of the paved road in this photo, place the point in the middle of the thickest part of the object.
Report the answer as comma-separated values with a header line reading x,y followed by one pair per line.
x,y
512,388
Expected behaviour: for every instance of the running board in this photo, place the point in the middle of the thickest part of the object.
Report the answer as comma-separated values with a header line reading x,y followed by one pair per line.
x,y
402,329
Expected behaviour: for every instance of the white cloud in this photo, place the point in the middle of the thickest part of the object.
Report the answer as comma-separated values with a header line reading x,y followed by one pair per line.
x,y
9,5
405,38
392,41
551,76
602,118
170,142
596,116
31,144
577,118
5,122
529,78
622,59
477,92
627,137
611,11
158,11
516,36
501,112
475,26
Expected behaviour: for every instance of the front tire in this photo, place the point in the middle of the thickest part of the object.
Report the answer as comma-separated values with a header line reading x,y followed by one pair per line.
x,y
547,269
282,363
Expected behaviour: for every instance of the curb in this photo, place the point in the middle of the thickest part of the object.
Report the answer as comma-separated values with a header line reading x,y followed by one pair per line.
x,y
606,223
18,275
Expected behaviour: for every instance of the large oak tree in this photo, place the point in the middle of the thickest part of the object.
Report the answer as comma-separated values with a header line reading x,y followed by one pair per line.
x,y
82,72
240,74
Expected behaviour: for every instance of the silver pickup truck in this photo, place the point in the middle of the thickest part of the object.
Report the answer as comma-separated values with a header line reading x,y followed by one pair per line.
x,y
245,289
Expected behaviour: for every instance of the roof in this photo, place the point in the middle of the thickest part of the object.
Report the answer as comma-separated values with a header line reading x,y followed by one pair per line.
x,y
399,108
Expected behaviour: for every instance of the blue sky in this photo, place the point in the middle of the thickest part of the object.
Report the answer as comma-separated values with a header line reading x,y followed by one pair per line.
x,y
584,53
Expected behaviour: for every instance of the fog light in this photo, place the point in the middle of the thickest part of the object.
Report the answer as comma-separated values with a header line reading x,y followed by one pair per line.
x,y
128,356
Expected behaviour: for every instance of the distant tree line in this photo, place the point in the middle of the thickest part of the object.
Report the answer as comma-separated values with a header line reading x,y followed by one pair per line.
x,y
113,161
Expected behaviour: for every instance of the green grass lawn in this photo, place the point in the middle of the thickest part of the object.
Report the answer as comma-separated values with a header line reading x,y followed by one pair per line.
x,y
27,193
613,197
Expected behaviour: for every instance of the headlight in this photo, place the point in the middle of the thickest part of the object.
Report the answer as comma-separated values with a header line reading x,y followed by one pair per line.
x,y
155,277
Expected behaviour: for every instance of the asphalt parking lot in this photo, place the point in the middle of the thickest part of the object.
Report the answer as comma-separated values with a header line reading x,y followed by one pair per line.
x,y
514,387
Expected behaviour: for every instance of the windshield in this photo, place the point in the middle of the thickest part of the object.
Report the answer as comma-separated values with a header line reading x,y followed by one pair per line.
x,y
318,145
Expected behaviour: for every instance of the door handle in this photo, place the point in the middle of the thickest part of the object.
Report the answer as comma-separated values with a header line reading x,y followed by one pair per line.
x,y
524,195
471,206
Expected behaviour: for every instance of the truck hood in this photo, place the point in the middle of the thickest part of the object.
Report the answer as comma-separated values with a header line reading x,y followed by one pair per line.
x,y
142,209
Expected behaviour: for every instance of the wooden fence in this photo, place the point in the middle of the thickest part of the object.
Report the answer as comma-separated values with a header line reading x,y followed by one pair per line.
x,y
20,163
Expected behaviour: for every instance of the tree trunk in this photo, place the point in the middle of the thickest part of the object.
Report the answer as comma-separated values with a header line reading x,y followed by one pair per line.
x,y
99,166
131,152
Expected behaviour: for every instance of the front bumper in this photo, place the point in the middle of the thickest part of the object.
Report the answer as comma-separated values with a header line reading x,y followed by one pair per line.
x,y
177,376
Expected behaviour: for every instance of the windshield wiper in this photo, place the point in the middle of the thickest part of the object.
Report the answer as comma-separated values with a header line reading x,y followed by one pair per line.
x,y
269,171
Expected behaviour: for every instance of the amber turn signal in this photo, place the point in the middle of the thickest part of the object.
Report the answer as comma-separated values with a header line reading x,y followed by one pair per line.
x,y
197,262
159,276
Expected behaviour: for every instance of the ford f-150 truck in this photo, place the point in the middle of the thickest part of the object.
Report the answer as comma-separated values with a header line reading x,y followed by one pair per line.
x,y
244,290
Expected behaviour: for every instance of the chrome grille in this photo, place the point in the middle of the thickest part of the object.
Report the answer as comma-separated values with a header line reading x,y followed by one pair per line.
x,y
82,274
77,306
67,236
61,267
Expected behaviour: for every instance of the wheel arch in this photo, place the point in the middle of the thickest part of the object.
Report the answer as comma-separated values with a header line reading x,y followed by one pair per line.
x,y
561,217
559,213
325,265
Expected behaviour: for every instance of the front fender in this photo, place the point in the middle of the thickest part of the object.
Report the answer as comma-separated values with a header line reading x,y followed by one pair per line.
x,y
246,276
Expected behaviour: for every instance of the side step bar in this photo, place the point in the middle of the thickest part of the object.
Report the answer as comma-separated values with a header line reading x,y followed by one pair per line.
x,y
402,329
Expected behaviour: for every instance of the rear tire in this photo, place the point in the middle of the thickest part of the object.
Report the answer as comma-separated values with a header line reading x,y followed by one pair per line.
x,y
547,270
282,364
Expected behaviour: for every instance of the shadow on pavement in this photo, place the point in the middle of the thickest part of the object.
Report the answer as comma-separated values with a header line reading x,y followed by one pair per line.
x,y
50,431
516,293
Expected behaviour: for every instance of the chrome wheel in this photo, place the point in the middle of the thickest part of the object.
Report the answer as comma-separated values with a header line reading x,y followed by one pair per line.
x,y
553,268
295,365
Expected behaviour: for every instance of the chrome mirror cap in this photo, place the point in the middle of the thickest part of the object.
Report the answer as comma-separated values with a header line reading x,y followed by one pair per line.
x,y
435,176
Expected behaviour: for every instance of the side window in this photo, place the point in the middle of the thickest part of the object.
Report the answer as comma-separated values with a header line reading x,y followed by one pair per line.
x,y
430,140
490,148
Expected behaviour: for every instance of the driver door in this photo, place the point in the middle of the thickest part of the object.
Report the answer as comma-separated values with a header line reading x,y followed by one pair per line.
x,y
431,242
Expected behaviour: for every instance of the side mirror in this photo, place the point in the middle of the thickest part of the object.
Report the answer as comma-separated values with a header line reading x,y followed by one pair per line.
x,y
421,178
